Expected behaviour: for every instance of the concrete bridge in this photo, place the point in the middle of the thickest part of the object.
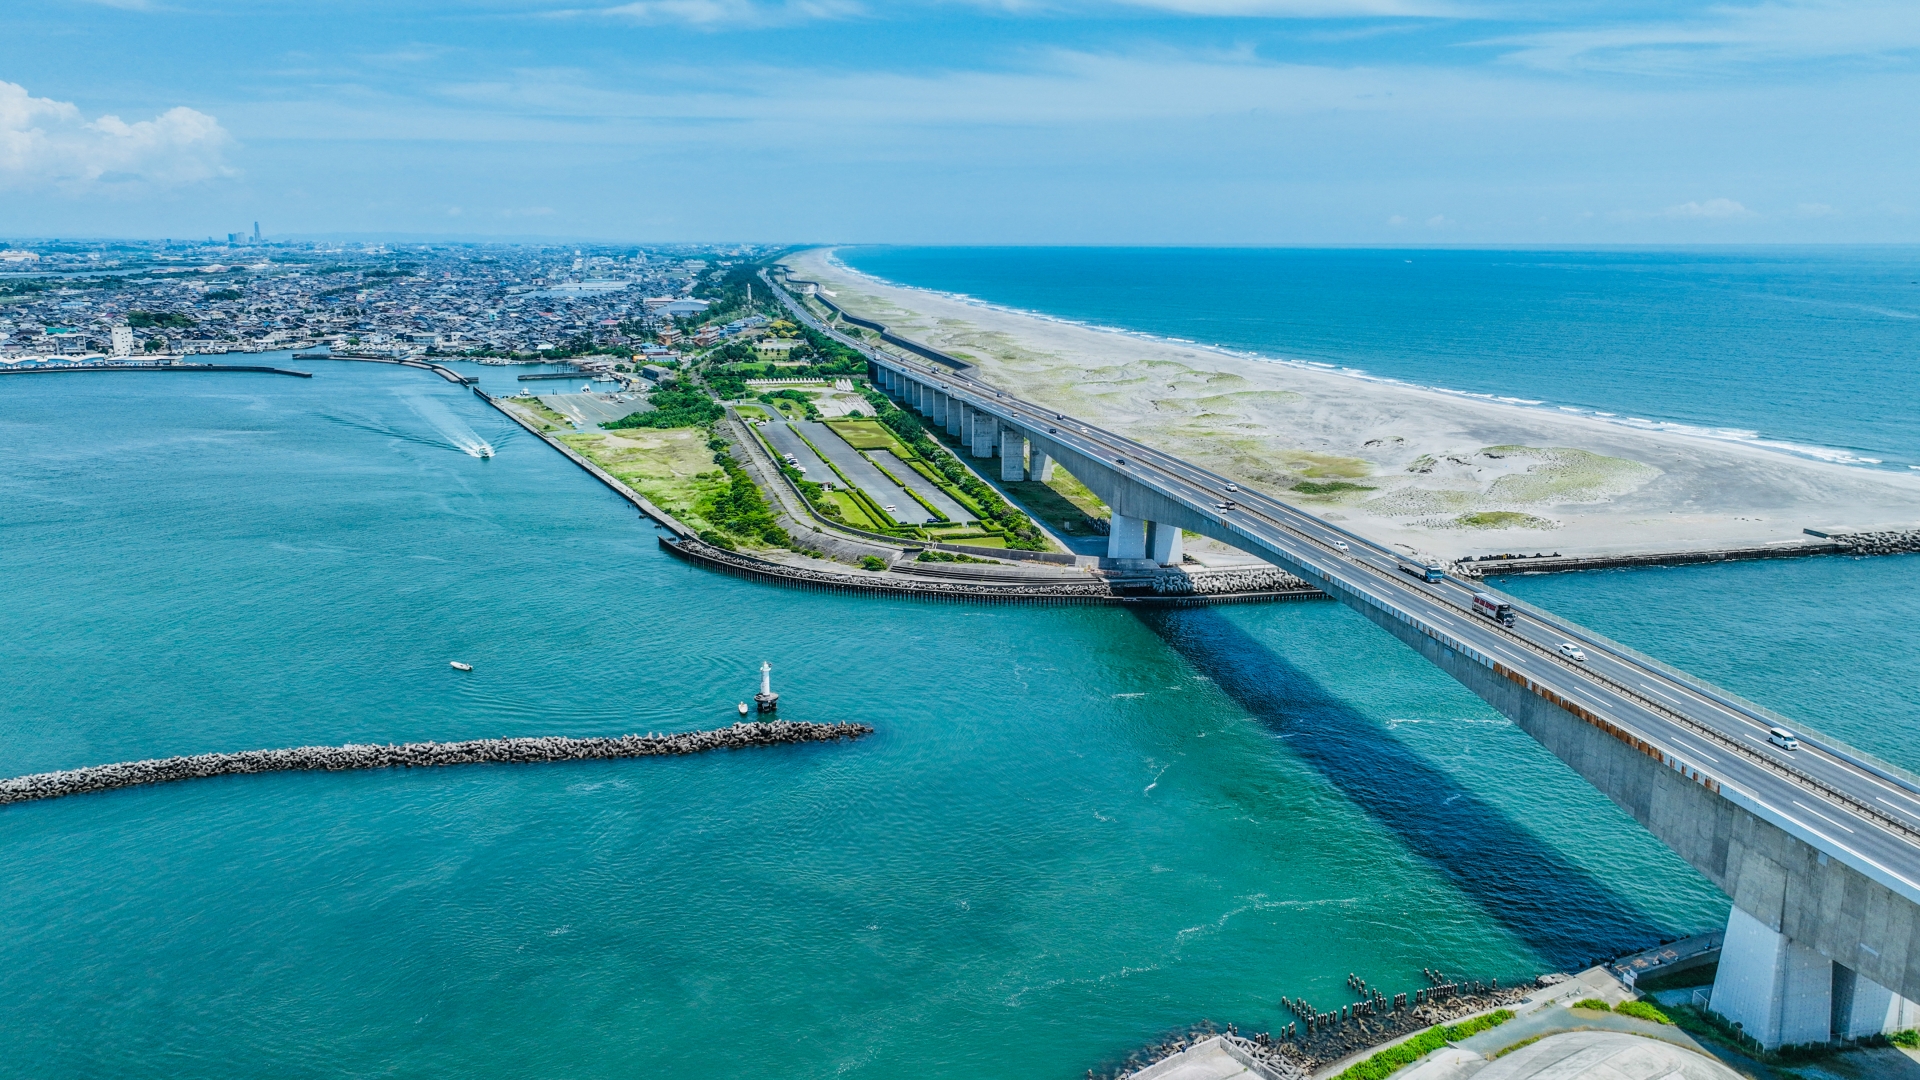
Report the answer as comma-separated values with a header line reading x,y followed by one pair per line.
x,y
1819,847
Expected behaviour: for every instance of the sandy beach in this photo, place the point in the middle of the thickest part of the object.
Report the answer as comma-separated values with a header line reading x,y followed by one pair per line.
x,y
1432,472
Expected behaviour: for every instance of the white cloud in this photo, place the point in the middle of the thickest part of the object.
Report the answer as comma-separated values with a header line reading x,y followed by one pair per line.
x,y
1727,36
1712,208
1304,9
49,144
726,14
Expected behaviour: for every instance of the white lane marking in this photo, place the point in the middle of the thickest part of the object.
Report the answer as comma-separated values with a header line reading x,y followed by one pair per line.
x,y
1704,754
1819,815
1898,808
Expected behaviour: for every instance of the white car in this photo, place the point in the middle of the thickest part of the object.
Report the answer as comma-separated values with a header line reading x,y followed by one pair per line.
x,y
889,508
1233,487
1782,738
1572,652
1340,545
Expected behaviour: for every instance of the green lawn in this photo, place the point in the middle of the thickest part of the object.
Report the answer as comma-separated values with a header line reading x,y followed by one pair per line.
x,y
869,435
672,467
852,512
1052,507
1075,492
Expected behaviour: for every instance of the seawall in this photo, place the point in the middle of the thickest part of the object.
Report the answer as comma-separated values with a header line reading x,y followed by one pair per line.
x,y
417,755
1091,591
639,501
69,368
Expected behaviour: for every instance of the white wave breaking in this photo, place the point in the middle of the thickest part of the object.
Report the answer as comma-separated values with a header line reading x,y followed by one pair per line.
x,y
1832,454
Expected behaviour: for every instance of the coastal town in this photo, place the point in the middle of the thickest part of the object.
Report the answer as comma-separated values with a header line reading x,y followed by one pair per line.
x,y
61,302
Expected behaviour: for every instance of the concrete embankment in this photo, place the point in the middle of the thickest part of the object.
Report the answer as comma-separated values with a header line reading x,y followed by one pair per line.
x,y
1889,542
1090,590
639,501
70,368
418,755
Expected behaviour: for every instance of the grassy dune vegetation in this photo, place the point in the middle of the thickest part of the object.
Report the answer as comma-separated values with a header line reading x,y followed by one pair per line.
x,y
670,466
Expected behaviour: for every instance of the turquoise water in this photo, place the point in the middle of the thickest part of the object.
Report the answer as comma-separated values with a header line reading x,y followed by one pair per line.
x,y
1074,828
1817,350
1828,642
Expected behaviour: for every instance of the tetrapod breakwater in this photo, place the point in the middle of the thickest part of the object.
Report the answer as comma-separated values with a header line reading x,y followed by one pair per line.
x,y
518,751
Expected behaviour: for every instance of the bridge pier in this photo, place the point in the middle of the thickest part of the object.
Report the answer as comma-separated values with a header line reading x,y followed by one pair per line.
x,y
1013,456
1781,992
1126,537
956,418
1039,463
940,403
1824,941
986,430
1164,543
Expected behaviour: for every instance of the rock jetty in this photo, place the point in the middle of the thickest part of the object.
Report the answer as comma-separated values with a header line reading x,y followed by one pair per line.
x,y
1892,542
418,756
1299,1048
1218,582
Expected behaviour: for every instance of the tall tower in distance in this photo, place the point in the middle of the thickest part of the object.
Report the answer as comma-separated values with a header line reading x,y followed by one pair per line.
x,y
256,232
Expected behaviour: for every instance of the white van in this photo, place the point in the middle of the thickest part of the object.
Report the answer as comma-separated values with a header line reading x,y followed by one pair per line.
x,y
1783,738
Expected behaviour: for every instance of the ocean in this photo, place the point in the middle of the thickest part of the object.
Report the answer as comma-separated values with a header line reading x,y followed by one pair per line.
x,y
1073,830
1813,351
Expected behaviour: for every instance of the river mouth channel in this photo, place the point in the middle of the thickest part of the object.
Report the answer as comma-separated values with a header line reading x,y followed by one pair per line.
x,y
1073,829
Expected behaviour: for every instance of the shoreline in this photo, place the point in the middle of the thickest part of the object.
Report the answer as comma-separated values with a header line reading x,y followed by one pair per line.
x,y
1735,436
1432,473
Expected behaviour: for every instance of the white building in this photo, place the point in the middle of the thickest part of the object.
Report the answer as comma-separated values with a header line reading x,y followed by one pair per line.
x,y
123,341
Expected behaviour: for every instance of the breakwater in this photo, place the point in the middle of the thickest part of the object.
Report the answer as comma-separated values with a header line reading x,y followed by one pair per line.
x,y
1297,1049
1091,591
1835,542
1884,542
262,369
639,501
518,751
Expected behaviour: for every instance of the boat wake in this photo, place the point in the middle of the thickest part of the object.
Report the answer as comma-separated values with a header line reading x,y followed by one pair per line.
x,y
454,433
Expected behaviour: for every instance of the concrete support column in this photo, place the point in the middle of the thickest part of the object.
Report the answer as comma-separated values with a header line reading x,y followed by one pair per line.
x,y
1039,464
1862,1007
1163,543
986,432
1778,991
1013,456
1126,538
963,424
940,403
926,400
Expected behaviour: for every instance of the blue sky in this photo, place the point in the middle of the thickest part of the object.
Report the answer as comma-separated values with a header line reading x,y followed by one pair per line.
x,y
1012,122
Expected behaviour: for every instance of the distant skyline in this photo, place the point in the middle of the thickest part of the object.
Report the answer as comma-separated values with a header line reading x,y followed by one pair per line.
x,y
1200,122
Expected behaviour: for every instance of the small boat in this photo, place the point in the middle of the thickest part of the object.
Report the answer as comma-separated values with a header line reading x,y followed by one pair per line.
x,y
486,451
743,708
458,666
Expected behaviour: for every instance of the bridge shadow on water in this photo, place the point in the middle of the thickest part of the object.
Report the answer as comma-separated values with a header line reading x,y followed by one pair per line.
x,y
1562,911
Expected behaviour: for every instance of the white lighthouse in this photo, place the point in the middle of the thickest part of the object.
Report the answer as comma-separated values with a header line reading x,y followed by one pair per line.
x,y
766,699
